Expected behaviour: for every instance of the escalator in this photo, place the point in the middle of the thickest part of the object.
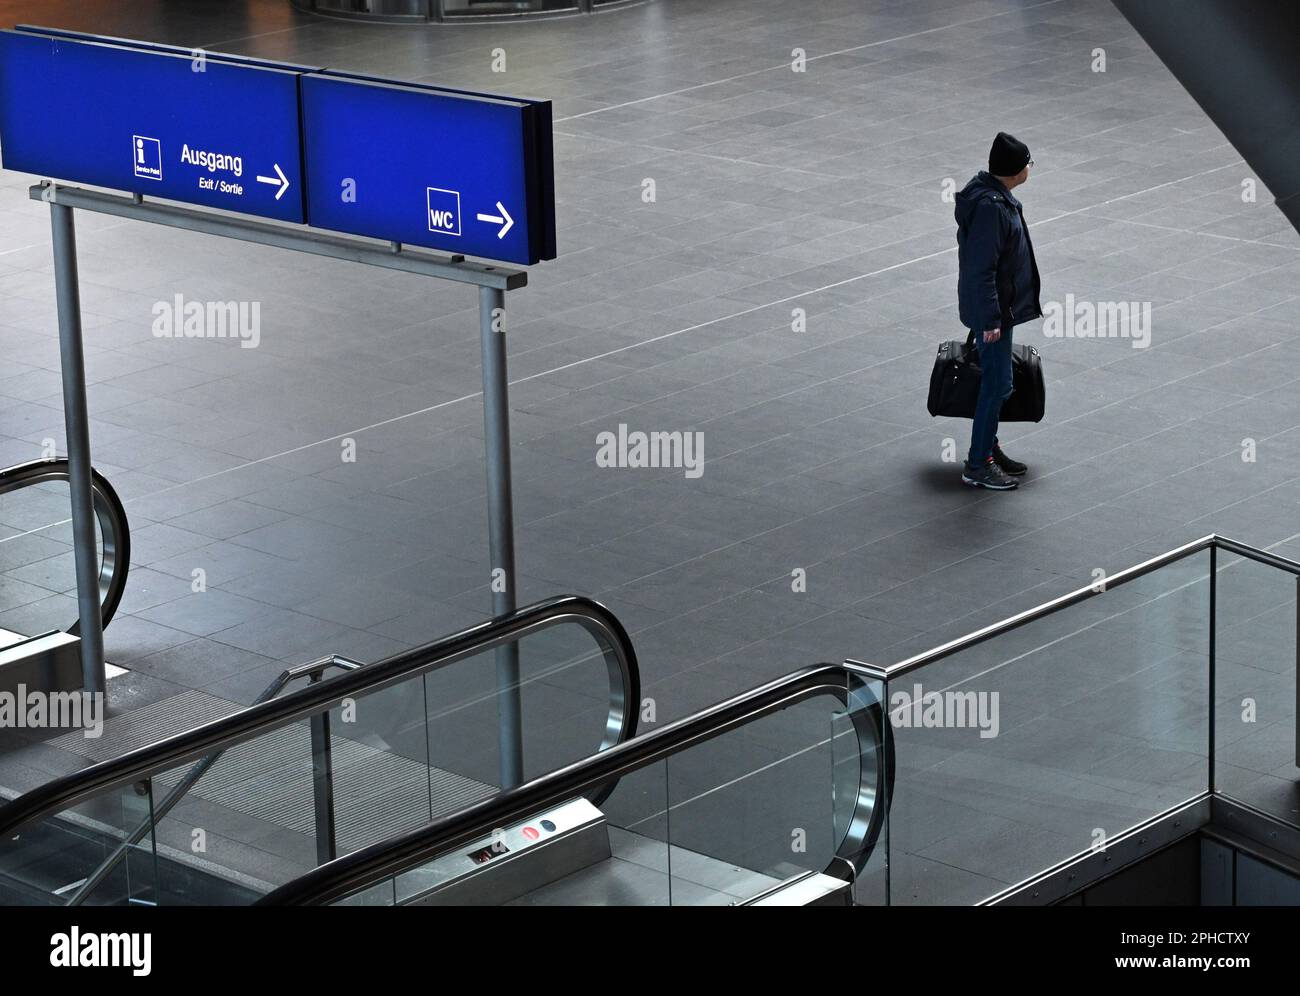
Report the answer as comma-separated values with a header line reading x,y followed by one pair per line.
x,y
775,795
702,815
49,658
227,810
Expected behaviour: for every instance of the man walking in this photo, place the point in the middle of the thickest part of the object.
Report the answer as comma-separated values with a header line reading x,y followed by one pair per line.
x,y
997,288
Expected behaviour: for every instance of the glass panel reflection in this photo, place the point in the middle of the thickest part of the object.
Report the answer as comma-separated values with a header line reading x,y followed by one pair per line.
x,y
1049,740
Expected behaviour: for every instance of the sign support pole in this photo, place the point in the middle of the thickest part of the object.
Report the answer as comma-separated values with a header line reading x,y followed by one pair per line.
x,y
76,420
501,525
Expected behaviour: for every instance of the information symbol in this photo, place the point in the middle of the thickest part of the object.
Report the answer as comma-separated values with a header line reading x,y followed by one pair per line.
x,y
147,158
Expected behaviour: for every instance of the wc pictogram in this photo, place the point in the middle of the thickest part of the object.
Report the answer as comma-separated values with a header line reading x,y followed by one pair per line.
x,y
443,210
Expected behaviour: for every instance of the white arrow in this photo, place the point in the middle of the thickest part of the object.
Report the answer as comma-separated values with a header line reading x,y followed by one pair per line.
x,y
279,180
503,219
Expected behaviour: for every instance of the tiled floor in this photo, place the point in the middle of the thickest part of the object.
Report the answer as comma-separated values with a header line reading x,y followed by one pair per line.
x,y
776,190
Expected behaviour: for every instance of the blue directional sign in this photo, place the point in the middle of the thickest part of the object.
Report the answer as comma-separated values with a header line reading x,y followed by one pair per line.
x,y
541,166
456,170
152,121
447,170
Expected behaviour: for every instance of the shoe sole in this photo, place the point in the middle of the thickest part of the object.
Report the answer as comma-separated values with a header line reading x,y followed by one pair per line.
x,y
988,487
1015,473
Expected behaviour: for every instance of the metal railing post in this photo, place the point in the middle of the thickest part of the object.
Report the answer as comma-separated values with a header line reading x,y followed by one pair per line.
x,y
1214,611
322,782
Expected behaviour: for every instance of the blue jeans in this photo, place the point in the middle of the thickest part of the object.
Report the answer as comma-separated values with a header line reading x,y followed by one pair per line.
x,y
995,388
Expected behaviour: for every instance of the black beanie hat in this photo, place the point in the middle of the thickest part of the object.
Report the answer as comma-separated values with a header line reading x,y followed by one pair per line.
x,y
1008,156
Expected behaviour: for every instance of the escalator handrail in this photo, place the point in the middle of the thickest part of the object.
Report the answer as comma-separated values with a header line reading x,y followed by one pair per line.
x,y
353,872
114,530
625,693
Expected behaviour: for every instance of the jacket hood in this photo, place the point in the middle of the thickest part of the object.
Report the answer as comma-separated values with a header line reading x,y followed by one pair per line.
x,y
982,185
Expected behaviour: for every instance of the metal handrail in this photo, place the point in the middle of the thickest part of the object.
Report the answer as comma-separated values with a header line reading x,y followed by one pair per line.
x,y
615,644
312,669
114,530
1212,541
850,684
1256,554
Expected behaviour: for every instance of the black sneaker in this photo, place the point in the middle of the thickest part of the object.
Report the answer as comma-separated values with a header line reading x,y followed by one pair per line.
x,y
1013,467
989,476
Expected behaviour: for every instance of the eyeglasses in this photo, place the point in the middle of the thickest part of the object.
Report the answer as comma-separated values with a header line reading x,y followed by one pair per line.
x,y
1030,163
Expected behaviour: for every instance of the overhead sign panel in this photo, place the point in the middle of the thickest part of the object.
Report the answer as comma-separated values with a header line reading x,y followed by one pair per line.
x,y
542,166
455,170
459,172
152,121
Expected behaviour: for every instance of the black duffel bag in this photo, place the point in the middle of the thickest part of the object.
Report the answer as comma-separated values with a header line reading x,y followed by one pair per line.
x,y
955,382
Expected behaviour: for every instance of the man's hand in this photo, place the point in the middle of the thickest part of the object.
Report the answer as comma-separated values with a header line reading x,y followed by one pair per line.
x,y
992,335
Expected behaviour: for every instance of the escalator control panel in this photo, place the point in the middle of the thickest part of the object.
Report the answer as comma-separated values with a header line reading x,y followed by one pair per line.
x,y
513,860
509,841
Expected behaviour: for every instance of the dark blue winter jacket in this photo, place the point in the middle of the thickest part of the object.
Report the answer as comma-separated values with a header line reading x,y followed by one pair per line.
x,y
997,280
